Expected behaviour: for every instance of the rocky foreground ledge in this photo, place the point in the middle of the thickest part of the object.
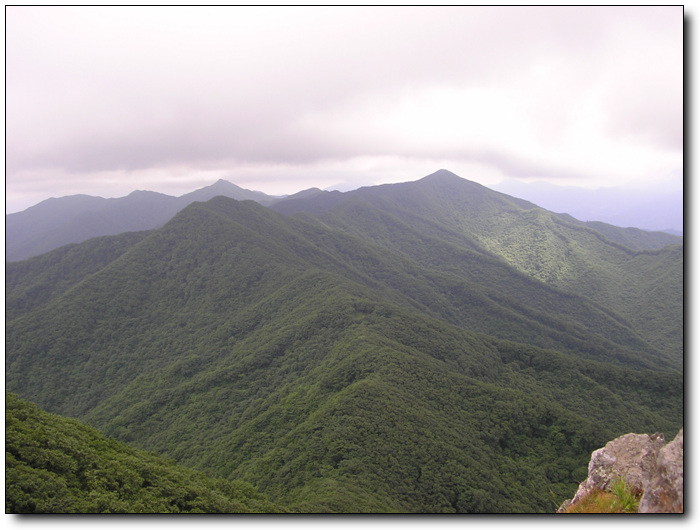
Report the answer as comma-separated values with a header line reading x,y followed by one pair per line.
x,y
647,464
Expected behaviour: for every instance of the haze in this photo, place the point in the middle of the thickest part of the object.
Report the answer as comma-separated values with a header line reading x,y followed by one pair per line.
x,y
105,100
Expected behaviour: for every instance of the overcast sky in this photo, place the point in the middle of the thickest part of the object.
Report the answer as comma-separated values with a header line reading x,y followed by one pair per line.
x,y
106,100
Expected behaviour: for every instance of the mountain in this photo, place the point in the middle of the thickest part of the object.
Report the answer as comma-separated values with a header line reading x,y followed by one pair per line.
x,y
424,347
434,220
225,189
57,465
76,218
653,209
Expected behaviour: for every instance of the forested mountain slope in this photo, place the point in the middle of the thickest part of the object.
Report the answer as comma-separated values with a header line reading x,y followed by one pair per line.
x,y
58,465
33,283
435,220
380,356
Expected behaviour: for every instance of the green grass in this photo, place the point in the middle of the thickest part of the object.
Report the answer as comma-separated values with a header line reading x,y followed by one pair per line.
x,y
627,498
620,499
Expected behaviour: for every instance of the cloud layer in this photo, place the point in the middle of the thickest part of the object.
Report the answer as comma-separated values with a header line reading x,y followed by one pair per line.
x,y
121,98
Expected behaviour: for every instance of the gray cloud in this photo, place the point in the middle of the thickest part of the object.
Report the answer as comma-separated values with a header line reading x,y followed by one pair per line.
x,y
94,90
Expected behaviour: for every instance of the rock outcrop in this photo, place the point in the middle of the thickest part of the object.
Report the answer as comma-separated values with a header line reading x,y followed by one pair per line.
x,y
647,464
664,493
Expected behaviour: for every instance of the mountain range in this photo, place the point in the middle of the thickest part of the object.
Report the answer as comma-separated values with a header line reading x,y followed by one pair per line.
x,y
72,219
59,221
432,346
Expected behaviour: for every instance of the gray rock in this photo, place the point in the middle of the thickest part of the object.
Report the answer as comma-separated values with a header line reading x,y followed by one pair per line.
x,y
664,493
647,465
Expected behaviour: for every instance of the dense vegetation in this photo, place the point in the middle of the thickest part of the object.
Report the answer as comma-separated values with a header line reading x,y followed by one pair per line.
x,y
390,350
442,222
58,465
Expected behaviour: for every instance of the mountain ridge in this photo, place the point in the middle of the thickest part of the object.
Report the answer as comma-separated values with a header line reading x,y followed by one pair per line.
x,y
542,245
402,351
73,219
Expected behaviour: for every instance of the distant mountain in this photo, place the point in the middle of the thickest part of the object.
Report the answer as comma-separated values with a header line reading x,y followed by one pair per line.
x,y
432,346
73,219
76,218
225,189
311,202
658,210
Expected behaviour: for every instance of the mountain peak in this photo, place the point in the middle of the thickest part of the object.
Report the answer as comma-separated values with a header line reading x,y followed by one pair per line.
x,y
224,184
228,189
442,175
444,178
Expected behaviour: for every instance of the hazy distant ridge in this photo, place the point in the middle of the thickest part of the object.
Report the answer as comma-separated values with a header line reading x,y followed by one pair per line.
x,y
75,218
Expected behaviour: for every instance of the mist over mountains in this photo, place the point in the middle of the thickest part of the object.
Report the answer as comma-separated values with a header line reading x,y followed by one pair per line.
x,y
431,346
